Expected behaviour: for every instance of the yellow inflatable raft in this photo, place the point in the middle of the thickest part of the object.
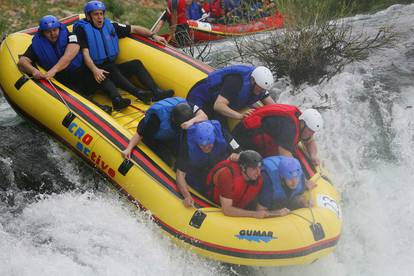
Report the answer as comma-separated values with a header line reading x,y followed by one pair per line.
x,y
299,238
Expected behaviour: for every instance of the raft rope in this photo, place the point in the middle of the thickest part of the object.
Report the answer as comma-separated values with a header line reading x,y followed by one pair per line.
x,y
308,220
4,39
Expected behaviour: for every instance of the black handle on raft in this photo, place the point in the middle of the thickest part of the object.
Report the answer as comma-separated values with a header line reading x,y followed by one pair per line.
x,y
197,219
317,231
68,119
22,80
125,167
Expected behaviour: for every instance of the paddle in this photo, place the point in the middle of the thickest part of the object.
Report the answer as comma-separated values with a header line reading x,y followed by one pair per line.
x,y
204,17
158,21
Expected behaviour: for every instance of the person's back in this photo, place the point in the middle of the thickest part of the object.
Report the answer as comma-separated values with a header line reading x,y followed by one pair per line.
x,y
268,128
160,128
226,91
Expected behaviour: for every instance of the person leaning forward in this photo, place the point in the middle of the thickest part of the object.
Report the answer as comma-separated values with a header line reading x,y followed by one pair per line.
x,y
283,185
99,41
277,129
227,91
235,184
202,146
160,128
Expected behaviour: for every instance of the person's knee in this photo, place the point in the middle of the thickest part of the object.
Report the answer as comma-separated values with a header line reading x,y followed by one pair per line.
x,y
137,63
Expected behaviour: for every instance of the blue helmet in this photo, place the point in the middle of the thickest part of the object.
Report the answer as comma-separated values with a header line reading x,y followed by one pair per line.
x,y
93,6
205,133
48,22
289,168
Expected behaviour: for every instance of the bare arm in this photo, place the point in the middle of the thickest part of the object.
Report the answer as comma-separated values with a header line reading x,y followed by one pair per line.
x,y
25,65
221,105
199,117
230,210
182,187
173,23
70,53
268,100
132,143
159,26
313,151
99,74
284,152
275,213
139,30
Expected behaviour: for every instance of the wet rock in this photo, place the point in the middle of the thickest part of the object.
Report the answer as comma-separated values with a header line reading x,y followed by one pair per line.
x,y
32,169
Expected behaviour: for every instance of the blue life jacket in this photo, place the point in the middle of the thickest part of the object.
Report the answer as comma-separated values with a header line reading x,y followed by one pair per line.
x,y
49,54
102,43
271,167
162,110
193,11
230,5
207,90
218,153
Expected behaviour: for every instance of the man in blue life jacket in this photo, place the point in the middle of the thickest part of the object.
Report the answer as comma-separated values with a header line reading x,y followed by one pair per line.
x,y
283,185
160,127
193,10
202,146
232,9
99,42
57,51
227,91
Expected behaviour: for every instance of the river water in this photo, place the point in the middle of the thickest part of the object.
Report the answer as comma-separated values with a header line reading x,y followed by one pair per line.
x,y
57,216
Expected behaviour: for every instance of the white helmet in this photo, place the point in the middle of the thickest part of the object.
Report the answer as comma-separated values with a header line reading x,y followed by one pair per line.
x,y
263,77
312,119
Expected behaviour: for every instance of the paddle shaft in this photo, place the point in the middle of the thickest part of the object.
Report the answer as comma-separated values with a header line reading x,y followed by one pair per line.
x,y
158,21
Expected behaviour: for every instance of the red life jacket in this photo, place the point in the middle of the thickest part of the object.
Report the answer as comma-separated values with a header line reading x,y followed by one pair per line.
x,y
214,7
243,193
265,144
180,7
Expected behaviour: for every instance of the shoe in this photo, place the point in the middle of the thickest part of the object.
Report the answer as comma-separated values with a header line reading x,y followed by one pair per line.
x,y
143,96
106,108
119,103
162,94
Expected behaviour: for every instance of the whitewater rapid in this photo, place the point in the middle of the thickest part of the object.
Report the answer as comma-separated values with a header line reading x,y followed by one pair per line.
x,y
367,146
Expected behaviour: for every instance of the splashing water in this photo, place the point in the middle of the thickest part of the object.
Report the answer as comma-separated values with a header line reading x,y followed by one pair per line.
x,y
367,146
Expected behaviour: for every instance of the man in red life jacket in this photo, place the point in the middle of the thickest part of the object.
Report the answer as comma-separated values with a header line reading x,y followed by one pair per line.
x,y
215,8
177,15
234,185
276,129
